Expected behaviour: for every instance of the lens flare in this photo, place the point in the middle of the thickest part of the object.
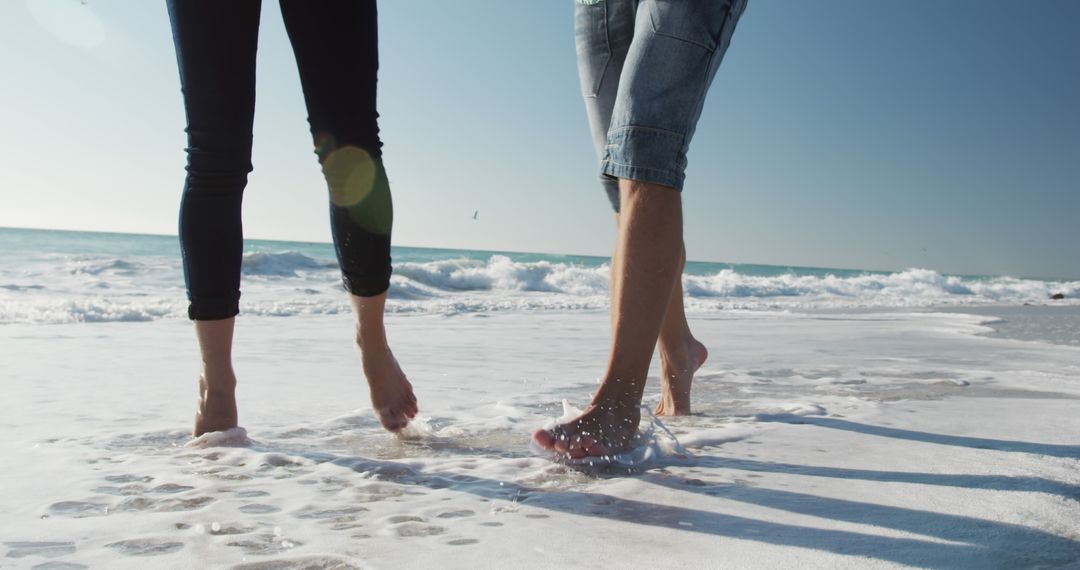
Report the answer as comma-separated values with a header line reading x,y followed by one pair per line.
x,y
350,173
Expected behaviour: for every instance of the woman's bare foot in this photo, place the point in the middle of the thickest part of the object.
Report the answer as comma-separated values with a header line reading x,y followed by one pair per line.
x,y
604,429
392,395
217,385
677,370
217,403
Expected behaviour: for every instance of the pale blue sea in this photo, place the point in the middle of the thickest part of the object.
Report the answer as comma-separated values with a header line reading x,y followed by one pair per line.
x,y
51,276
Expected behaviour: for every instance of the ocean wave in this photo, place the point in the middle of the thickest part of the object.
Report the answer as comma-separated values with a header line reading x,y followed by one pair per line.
x,y
500,273
282,264
100,310
912,287
906,288
290,283
86,265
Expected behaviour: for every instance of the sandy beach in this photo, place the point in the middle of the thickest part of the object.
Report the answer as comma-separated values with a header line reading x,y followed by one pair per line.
x,y
862,440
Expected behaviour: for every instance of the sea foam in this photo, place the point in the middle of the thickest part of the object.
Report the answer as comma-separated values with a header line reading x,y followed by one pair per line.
x,y
58,288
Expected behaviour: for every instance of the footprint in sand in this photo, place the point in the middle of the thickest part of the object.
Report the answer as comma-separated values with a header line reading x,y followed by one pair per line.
x,y
59,566
141,504
145,547
312,513
170,488
174,505
78,509
46,549
398,519
312,563
129,478
136,504
343,518
258,509
223,474
412,527
266,544
229,529
415,529
346,525
455,514
331,485
126,490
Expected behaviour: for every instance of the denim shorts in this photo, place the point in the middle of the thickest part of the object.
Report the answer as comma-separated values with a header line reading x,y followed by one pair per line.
x,y
645,66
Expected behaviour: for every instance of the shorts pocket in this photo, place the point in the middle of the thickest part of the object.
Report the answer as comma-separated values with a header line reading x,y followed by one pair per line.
x,y
593,47
699,22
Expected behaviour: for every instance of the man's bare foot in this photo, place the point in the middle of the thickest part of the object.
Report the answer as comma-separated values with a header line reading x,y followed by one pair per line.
x,y
217,403
391,393
677,376
604,429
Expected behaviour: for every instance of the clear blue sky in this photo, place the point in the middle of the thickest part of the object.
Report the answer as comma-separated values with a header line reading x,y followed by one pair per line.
x,y
842,133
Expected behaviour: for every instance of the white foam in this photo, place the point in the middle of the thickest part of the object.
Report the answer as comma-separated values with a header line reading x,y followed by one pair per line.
x,y
419,428
653,445
501,273
910,288
233,437
51,289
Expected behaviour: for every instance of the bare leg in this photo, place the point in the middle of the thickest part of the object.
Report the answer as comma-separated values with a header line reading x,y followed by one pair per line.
x,y
217,384
644,270
680,353
615,269
391,393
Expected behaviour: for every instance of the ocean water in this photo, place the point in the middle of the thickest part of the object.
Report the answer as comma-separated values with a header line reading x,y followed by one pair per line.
x,y
50,277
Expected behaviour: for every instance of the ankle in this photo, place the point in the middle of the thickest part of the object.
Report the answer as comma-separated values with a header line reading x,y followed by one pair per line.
x,y
617,400
678,349
218,377
675,341
217,370
370,347
371,338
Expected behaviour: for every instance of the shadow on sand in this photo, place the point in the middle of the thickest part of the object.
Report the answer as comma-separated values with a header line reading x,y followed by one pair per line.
x,y
1055,450
940,539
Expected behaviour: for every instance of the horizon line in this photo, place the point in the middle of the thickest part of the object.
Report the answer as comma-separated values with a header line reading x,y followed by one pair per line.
x,y
330,243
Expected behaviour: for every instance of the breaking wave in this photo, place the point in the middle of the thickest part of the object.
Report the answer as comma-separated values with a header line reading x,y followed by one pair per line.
x,y
87,288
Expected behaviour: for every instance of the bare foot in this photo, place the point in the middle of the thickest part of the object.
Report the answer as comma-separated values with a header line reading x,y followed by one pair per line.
x,y
602,430
677,376
391,393
217,403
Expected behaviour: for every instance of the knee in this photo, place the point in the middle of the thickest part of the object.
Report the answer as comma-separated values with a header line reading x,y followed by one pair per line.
x,y
218,163
358,185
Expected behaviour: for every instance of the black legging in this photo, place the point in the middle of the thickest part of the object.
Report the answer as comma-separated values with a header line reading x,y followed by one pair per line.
x,y
336,48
